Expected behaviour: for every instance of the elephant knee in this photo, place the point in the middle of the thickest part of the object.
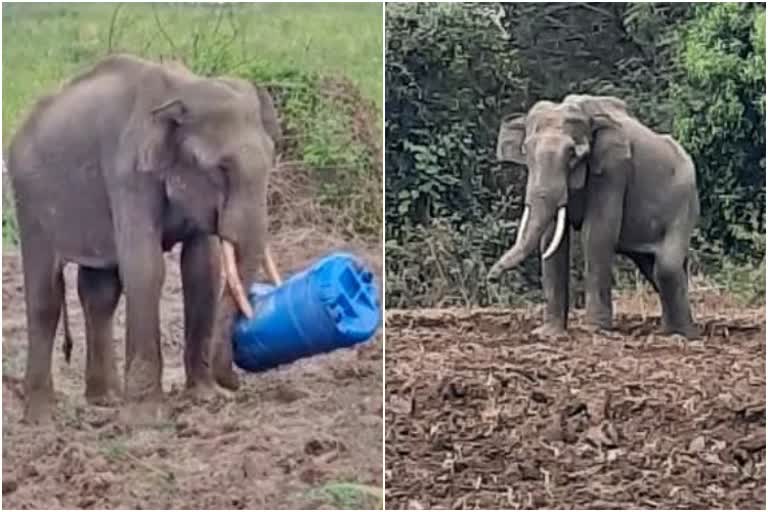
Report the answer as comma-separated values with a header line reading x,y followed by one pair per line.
x,y
666,272
99,291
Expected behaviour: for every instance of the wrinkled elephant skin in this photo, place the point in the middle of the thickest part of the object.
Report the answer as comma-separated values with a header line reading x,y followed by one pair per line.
x,y
630,191
127,160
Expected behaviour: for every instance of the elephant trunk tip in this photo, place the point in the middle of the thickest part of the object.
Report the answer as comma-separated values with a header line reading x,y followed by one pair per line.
x,y
528,235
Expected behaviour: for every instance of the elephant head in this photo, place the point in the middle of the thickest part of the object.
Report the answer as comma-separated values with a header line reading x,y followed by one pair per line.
x,y
561,144
214,141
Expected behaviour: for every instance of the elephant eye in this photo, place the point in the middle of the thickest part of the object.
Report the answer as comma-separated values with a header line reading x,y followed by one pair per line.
x,y
524,146
225,164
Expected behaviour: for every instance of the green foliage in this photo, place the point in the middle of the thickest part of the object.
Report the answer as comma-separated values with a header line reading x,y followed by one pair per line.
x,y
442,265
453,70
444,61
10,225
44,44
719,117
348,496
318,66
324,119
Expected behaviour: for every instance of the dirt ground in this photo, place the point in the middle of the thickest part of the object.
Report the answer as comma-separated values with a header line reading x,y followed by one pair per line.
x,y
480,414
304,436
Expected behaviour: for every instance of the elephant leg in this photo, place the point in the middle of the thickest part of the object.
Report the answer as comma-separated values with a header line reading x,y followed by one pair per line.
x,y
142,271
201,279
598,261
601,234
99,291
555,282
223,369
44,297
645,263
671,274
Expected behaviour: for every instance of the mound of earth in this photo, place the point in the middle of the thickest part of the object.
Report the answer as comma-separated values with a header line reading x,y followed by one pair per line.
x,y
480,414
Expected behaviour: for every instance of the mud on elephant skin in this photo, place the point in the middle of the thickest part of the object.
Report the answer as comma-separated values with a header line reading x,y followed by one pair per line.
x,y
130,158
629,190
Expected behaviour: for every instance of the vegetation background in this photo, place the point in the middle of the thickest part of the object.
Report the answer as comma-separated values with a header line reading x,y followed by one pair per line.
x,y
453,70
323,65
327,87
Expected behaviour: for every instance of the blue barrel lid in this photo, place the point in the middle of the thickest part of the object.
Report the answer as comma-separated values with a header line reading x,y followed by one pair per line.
x,y
349,293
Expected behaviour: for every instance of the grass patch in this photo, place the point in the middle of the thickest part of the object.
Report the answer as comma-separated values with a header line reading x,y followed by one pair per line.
x,y
10,367
10,225
115,449
349,496
43,44
322,62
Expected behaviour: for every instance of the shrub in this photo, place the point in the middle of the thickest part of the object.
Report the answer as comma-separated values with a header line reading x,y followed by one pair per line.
x,y
719,104
453,70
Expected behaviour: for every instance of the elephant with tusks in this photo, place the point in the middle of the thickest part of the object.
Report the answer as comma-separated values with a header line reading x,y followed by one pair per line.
x,y
629,190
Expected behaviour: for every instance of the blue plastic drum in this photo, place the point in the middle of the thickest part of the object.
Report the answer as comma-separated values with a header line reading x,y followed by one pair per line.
x,y
333,304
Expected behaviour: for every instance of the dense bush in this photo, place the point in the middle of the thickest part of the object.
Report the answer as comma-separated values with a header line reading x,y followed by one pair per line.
x,y
448,75
453,70
331,131
719,104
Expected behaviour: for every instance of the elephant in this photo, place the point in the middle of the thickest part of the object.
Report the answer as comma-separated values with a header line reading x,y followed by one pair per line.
x,y
127,160
595,167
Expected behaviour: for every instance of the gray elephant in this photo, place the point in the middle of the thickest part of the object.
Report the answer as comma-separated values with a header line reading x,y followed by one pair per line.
x,y
128,159
631,191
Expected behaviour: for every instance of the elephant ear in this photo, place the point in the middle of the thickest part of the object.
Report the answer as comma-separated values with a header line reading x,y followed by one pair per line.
x,y
578,174
157,150
509,147
269,115
266,105
610,146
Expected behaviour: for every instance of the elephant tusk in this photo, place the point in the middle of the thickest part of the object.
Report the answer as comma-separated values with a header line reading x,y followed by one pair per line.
x,y
559,232
233,279
271,268
523,224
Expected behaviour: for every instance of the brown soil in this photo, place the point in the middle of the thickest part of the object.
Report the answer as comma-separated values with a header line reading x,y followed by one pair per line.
x,y
289,438
480,414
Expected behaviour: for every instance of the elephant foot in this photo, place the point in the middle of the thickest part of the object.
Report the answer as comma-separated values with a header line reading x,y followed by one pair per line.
x,y
103,398
601,326
39,410
227,378
598,322
205,391
103,395
549,331
602,330
223,370
151,412
690,332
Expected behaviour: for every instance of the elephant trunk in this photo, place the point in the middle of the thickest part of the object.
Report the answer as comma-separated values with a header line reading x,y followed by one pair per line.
x,y
243,231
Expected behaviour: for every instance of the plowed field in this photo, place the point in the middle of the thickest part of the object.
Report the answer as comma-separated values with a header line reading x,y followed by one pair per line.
x,y
480,414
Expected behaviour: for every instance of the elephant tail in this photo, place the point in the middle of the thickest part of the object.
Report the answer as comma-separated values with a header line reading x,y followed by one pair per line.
x,y
67,348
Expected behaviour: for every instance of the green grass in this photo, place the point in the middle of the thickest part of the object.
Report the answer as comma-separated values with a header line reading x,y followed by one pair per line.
x,y
295,49
349,496
43,44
